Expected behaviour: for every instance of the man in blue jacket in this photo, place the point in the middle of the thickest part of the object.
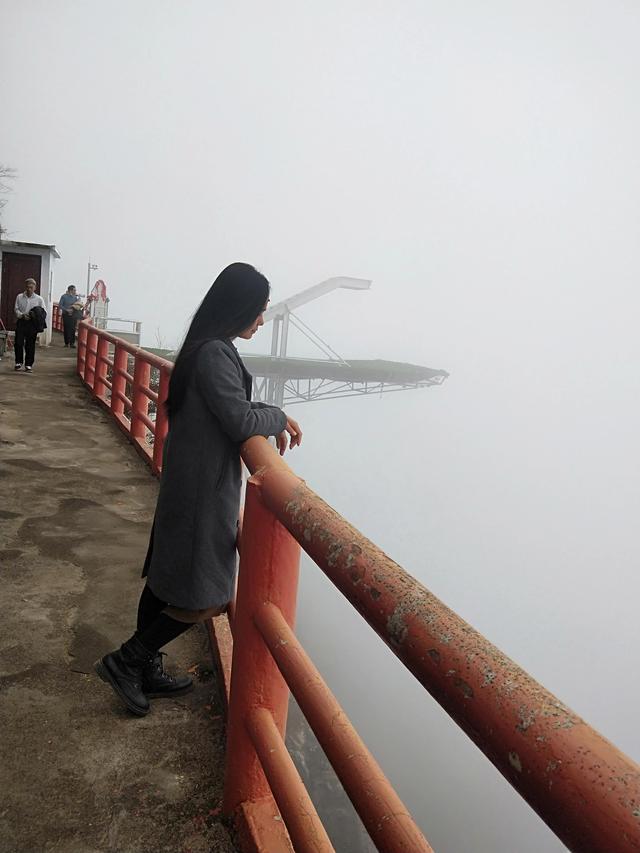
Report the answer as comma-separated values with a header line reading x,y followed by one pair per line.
x,y
70,314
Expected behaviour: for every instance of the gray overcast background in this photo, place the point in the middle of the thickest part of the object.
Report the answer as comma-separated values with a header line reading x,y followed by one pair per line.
x,y
479,162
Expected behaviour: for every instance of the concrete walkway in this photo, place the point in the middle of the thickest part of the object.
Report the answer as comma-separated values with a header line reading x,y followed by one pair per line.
x,y
78,773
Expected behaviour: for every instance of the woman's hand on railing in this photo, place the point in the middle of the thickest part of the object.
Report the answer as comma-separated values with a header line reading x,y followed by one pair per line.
x,y
292,433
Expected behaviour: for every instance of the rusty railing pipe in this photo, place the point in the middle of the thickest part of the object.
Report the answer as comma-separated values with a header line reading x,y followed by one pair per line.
x,y
303,824
389,824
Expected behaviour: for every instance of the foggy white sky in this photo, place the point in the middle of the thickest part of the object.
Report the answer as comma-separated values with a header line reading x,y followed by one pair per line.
x,y
479,162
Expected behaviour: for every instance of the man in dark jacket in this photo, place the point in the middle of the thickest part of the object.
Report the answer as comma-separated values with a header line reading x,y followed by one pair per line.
x,y
26,328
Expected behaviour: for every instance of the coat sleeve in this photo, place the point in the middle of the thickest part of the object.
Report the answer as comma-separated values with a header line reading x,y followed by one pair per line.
x,y
220,383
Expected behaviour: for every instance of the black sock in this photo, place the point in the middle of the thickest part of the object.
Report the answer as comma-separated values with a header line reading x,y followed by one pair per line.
x,y
161,631
149,608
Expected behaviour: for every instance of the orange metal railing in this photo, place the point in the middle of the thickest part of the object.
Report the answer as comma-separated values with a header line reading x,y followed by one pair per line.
x,y
581,785
102,355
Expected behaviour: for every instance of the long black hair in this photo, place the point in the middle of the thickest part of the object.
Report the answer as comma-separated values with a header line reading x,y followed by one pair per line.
x,y
232,304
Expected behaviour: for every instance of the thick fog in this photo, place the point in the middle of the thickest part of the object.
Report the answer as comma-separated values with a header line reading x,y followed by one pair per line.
x,y
479,163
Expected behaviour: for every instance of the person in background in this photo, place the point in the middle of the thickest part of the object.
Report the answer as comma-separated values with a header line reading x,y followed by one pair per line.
x,y
70,306
26,331
191,562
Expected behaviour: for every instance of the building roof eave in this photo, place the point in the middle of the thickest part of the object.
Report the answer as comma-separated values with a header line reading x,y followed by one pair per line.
x,y
7,244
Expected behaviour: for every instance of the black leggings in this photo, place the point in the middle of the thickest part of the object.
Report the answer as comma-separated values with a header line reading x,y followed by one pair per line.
x,y
155,628
149,608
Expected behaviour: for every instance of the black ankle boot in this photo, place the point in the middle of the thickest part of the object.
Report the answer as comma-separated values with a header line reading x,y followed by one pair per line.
x,y
122,669
157,683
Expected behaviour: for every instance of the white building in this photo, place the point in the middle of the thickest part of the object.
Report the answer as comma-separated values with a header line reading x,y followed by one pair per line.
x,y
19,261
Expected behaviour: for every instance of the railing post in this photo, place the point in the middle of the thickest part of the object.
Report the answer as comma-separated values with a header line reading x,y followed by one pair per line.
x,y
139,400
269,567
83,332
162,422
90,358
100,372
118,380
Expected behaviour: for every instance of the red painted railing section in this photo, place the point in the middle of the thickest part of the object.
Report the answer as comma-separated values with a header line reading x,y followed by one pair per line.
x,y
111,366
582,786
56,318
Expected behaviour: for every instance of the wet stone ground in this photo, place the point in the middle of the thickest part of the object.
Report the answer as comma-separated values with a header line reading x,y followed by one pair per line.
x,y
78,773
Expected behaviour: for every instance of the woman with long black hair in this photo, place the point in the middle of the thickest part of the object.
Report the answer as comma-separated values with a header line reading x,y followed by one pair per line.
x,y
191,561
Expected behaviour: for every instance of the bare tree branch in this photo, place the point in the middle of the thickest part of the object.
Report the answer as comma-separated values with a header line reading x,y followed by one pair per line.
x,y
7,174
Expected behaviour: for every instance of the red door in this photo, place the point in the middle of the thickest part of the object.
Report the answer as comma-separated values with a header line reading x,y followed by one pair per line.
x,y
15,269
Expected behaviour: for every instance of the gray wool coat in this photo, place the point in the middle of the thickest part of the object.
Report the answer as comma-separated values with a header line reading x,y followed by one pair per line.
x,y
191,562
